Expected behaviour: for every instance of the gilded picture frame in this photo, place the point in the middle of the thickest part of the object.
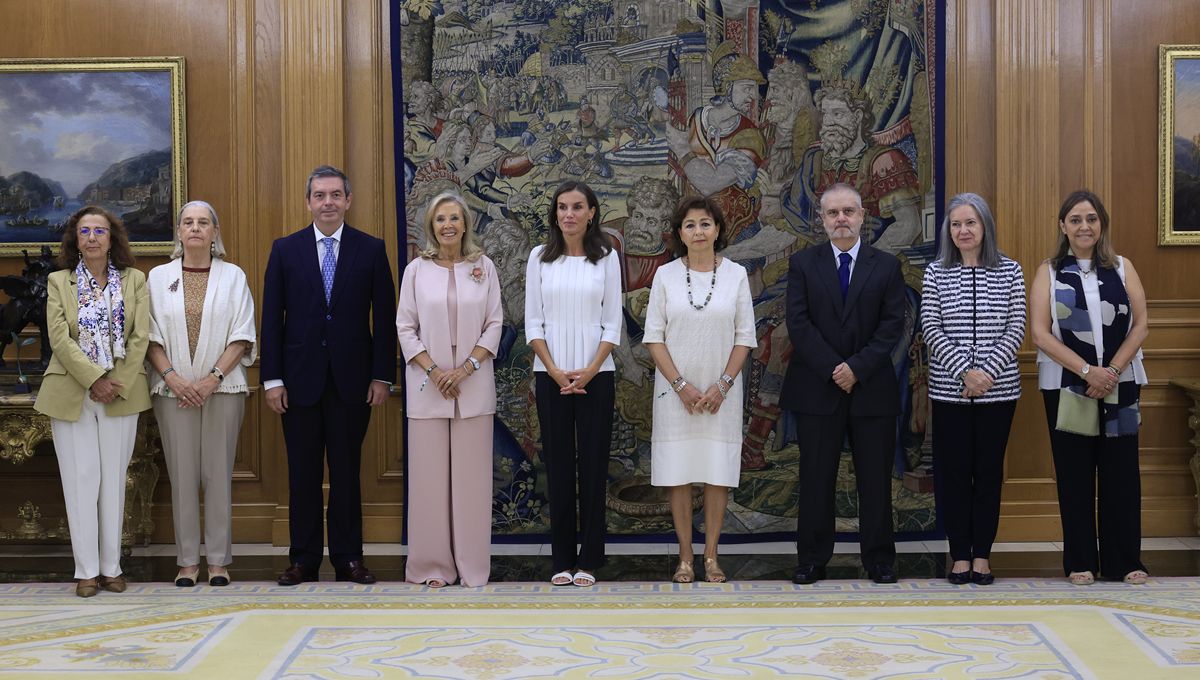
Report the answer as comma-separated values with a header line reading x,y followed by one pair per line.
x,y
1179,145
106,131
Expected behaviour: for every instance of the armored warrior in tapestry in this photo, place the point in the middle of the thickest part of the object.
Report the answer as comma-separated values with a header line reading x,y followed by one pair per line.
x,y
760,105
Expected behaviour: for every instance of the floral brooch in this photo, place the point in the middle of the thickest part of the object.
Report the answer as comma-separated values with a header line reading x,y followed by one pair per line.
x,y
477,273
174,286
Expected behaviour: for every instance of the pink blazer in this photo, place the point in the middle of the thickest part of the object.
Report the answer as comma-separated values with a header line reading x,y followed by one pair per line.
x,y
422,324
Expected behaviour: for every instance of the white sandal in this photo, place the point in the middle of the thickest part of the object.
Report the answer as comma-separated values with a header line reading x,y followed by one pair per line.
x,y
583,579
562,578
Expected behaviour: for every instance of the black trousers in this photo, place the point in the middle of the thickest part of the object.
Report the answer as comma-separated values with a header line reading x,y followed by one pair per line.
x,y
576,437
330,431
968,464
872,441
1079,462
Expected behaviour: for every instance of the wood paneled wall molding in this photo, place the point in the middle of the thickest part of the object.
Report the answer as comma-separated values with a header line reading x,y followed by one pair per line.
x,y
313,105
1042,97
1028,188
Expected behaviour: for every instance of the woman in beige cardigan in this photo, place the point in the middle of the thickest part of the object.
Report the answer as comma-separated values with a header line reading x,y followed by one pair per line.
x,y
201,341
97,314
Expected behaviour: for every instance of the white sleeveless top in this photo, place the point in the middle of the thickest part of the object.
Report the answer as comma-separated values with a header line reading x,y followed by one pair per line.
x,y
1050,372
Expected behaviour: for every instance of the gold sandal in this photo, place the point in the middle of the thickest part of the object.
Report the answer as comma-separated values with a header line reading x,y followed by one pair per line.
x,y
1082,578
712,571
685,572
1136,577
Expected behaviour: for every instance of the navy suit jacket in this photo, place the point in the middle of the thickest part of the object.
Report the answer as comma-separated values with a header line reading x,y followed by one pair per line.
x,y
355,334
825,331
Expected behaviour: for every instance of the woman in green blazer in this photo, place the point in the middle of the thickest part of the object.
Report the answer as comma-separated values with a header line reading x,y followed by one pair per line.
x,y
98,316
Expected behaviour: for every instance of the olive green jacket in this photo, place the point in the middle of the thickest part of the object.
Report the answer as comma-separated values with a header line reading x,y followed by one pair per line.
x,y
71,373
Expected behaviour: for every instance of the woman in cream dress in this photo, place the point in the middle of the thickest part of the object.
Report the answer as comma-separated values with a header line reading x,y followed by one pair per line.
x,y
699,330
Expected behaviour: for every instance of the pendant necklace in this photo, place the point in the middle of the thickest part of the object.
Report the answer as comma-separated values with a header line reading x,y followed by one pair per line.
x,y
1085,272
710,287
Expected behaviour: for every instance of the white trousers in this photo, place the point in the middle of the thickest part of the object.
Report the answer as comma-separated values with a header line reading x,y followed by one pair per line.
x,y
93,458
199,445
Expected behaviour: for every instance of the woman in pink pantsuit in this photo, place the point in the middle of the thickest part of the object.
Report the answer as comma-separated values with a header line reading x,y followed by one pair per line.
x,y
449,321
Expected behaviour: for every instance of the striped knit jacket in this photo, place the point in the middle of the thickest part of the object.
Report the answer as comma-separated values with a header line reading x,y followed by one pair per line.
x,y
973,317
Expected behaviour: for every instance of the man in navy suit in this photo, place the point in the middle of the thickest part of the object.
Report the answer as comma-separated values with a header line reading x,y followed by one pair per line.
x,y
845,315
328,355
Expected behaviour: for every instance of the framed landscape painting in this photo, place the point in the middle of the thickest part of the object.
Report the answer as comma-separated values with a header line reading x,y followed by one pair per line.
x,y
1179,145
107,132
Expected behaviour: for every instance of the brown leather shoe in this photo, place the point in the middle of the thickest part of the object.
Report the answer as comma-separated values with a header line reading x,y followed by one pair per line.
x,y
87,587
297,574
355,571
113,584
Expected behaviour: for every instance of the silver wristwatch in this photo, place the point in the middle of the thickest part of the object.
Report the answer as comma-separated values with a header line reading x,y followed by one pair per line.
x,y
474,363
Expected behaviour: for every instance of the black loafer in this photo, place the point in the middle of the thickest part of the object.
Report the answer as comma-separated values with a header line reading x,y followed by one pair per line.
x,y
960,578
808,574
883,574
983,579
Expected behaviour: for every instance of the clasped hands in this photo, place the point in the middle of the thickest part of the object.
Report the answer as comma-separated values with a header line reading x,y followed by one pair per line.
x,y
1100,382
191,394
843,376
695,402
449,382
572,382
976,383
105,390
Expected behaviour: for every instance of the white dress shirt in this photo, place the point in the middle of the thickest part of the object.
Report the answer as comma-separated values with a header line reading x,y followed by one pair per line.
x,y
853,255
337,244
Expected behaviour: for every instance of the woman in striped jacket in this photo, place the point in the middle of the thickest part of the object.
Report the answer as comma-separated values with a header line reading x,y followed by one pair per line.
x,y
973,319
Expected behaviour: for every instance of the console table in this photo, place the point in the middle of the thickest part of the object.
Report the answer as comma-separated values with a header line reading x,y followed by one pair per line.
x,y
1192,387
22,429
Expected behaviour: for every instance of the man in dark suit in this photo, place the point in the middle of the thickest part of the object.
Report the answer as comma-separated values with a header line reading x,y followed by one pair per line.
x,y
845,314
328,355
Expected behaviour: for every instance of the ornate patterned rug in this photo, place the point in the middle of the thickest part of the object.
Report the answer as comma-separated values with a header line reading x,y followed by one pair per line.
x,y
836,629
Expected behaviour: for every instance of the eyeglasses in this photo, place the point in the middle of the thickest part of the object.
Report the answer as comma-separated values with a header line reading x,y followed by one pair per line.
x,y
93,231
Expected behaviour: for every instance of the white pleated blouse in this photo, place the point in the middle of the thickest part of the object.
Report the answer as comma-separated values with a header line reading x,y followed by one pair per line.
x,y
573,305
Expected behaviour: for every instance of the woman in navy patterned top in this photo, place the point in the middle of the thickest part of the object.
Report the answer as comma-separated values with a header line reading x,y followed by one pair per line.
x,y
973,318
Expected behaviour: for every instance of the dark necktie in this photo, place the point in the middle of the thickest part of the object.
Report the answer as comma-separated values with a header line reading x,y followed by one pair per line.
x,y
844,273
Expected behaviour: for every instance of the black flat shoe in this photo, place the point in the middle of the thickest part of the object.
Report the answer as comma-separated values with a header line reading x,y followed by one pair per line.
x,y
883,574
218,581
182,580
980,579
960,578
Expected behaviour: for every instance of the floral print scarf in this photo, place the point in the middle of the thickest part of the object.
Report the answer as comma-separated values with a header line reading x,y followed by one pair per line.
x,y
101,335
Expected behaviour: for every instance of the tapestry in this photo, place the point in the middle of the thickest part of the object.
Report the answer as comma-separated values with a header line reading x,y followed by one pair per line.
x,y
760,105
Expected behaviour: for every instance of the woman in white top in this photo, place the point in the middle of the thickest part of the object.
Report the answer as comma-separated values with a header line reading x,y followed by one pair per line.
x,y
202,338
572,322
699,330
1088,320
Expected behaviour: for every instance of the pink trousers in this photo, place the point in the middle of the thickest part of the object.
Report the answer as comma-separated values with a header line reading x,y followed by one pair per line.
x,y
449,500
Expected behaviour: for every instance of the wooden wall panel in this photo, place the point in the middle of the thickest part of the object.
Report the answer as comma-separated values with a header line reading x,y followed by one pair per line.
x,y
1042,97
1074,88
1138,29
274,88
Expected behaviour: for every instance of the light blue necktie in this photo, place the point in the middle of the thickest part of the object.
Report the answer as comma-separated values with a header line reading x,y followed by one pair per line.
x,y
328,265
